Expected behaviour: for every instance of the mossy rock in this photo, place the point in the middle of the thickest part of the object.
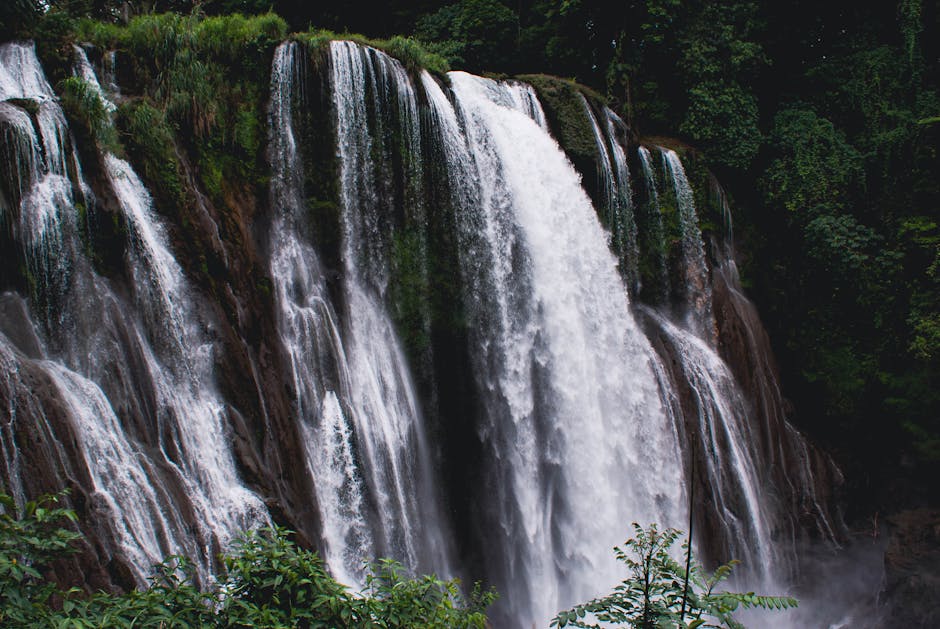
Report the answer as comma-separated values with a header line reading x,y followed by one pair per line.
x,y
568,122
28,104
561,100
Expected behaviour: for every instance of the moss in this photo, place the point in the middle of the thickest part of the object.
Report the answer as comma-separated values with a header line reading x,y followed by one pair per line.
x,y
565,112
414,56
210,174
263,286
104,238
410,290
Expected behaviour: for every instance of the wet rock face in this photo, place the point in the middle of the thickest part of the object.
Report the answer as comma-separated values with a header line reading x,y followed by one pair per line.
x,y
912,570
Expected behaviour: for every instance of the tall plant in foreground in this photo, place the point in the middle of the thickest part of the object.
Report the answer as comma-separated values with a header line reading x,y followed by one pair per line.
x,y
661,593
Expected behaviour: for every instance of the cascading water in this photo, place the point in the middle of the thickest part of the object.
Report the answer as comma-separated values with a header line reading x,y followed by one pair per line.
x,y
697,288
572,404
617,193
724,451
192,414
374,485
164,356
652,239
309,331
753,459
389,425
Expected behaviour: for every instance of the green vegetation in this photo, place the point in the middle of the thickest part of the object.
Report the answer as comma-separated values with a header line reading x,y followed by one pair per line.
x,y
83,104
660,592
268,581
31,538
472,34
149,140
412,54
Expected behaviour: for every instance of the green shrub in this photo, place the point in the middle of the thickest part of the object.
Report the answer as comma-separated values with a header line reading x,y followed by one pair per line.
x,y
149,141
414,55
31,538
83,104
268,582
105,35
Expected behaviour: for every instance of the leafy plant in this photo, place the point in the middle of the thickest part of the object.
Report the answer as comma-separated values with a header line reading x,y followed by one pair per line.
x,y
268,581
31,538
397,600
659,592
272,582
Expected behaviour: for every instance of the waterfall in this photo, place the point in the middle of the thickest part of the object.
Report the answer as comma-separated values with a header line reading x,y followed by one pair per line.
x,y
617,195
572,403
389,423
652,240
309,330
603,358
192,417
725,451
697,299
760,470
366,446
181,365
625,232
161,355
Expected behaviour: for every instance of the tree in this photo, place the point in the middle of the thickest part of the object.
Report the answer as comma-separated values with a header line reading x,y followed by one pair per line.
x,y
659,592
473,34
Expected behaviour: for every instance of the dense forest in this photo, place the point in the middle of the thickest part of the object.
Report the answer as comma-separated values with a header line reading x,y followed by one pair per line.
x,y
820,119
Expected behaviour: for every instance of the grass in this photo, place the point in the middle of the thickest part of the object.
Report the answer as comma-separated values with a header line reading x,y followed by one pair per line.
x,y
410,52
83,104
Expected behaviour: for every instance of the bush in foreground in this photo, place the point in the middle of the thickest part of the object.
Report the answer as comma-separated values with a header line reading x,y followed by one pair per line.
x,y
268,581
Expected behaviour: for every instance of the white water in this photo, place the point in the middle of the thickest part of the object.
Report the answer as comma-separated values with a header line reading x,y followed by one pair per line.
x,y
366,449
389,424
608,184
580,419
625,235
21,76
121,484
697,288
654,223
177,361
573,408
43,218
726,451
184,382
617,194
193,411
309,331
